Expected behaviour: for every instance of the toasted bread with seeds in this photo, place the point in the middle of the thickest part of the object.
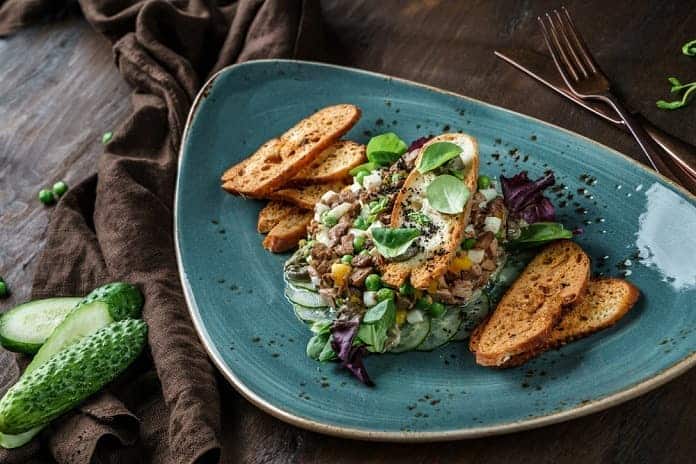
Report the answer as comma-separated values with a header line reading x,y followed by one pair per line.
x,y
308,196
436,250
526,315
605,302
273,213
287,233
280,159
333,164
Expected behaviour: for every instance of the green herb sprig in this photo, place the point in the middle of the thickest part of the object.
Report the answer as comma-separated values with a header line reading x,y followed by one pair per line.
x,y
677,87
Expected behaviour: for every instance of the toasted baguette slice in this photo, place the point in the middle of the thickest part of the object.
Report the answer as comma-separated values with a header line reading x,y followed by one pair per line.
x,y
332,164
533,305
288,232
273,213
439,247
606,301
308,196
280,159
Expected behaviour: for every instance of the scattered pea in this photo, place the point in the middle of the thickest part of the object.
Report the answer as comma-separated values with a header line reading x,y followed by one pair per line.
x,y
59,188
373,282
106,138
328,220
385,294
347,259
359,243
484,182
423,303
46,197
4,292
406,289
360,223
469,243
437,309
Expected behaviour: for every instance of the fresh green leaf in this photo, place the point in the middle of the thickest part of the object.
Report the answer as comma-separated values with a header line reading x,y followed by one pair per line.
x,y
377,312
689,48
393,242
447,194
540,233
327,354
437,154
316,345
321,327
419,218
385,149
366,168
458,173
376,323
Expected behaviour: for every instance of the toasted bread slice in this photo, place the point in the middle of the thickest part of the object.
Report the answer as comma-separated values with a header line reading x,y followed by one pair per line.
x,y
533,305
288,232
280,159
605,302
332,164
308,196
439,247
273,213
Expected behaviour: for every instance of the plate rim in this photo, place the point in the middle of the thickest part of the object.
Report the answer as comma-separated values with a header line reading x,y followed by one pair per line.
x,y
577,411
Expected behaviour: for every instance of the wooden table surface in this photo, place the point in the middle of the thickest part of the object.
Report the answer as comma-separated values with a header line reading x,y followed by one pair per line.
x,y
59,91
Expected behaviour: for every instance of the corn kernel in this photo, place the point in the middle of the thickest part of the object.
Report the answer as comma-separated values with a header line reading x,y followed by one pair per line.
x,y
432,287
400,316
339,273
460,263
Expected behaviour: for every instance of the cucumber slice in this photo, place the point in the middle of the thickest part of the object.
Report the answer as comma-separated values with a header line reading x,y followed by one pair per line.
x,y
104,305
65,380
15,441
26,327
304,297
442,329
472,313
303,285
412,335
311,315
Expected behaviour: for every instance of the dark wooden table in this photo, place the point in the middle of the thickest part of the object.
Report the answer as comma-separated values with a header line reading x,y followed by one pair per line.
x,y
59,91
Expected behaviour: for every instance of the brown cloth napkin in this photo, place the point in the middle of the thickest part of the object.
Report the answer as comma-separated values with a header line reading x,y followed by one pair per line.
x,y
117,224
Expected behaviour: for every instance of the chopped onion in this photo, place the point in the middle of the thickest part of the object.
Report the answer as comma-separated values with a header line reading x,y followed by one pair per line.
x,y
489,193
476,256
316,280
319,208
492,224
329,197
355,187
372,181
414,316
469,229
323,237
370,299
357,232
339,210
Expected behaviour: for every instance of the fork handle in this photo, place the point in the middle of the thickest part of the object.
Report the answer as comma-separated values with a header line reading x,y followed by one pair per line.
x,y
684,174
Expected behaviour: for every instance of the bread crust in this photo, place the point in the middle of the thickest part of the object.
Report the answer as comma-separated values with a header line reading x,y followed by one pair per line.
x,y
288,232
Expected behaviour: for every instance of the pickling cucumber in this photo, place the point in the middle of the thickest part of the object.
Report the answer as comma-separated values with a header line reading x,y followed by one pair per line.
x,y
304,297
104,305
26,327
412,335
70,376
442,329
8,441
311,315
472,313
304,285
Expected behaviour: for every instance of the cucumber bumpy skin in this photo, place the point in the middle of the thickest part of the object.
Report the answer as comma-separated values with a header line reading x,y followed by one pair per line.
x,y
124,300
72,375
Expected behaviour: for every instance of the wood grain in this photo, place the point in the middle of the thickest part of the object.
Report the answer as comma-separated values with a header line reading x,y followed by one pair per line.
x,y
53,111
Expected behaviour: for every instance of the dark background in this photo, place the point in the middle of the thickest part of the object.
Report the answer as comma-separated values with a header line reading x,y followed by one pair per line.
x,y
59,91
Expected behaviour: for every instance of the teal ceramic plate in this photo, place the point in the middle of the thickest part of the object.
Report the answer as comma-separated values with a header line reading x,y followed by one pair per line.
x,y
635,224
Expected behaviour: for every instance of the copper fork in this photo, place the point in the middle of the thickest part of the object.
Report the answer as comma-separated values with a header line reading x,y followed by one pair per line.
x,y
586,80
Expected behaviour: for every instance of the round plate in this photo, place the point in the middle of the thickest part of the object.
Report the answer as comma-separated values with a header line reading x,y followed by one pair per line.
x,y
635,223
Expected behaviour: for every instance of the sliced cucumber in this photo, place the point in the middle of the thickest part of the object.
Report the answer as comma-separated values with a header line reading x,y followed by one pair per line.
x,y
472,314
304,285
304,297
311,315
66,379
8,441
442,329
412,335
26,327
104,305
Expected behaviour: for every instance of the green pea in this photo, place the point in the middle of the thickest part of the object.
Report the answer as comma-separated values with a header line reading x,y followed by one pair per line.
x,y
106,138
46,197
437,309
406,289
484,182
364,252
347,259
59,188
469,243
328,220
423,303
359,243
4,292
360,176
360,223
373,282
385,294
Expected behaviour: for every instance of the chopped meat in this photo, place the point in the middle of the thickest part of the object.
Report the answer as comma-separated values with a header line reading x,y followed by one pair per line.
x,y
484,240
497,207
345,245
322,259
445,296
362,261
488,265
347,196
340,229
462,289
358,276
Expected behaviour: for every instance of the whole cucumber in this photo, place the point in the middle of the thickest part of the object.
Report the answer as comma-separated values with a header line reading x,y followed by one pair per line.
x,y
71,375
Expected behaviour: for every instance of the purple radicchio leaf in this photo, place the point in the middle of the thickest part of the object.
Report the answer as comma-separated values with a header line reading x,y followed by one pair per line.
x,y
416,144
524,198
343,333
